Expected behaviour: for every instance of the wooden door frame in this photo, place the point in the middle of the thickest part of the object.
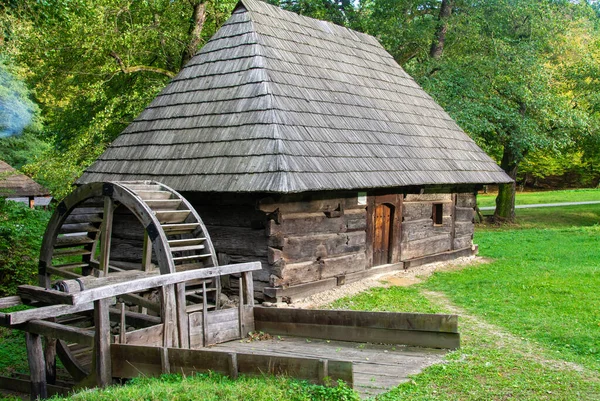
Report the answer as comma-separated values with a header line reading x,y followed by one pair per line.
x,y
394,200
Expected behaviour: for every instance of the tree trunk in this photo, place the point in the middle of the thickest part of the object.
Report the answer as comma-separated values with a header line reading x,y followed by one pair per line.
x,y
437,45
505,201
195,31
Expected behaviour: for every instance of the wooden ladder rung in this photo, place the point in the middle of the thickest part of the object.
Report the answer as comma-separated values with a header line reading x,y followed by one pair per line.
x,y
171,229
198,291
73,240
143,187
71,252
186,242
171,216
84,218
187,248
78,228
163,204
68,266
191,257
146,195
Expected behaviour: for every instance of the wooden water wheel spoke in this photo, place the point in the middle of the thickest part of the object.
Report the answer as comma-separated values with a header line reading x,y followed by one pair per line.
x,y
77,243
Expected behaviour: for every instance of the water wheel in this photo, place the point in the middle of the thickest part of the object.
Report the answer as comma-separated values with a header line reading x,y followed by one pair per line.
x,y
77,248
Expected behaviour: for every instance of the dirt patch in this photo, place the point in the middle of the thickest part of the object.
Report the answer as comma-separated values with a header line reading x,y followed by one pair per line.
x,y
403,278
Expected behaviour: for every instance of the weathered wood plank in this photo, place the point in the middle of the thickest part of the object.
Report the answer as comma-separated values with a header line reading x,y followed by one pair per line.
x,y
383,320
429,339
24,386
135,360
151,336
8,302
56,330
310,203
301,290
187,362
48,296
463,242
311,247
142,284
464,228
317,223
14,318
296,273
437,197
427,246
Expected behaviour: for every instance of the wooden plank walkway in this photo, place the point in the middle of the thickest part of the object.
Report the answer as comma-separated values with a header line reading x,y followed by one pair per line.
x,y
377,367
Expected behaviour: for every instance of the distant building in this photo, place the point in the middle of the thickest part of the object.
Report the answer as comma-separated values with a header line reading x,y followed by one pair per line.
x,y
304,145
18,187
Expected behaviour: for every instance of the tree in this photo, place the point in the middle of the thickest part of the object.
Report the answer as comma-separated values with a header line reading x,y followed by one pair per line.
x,y
94,65
495,79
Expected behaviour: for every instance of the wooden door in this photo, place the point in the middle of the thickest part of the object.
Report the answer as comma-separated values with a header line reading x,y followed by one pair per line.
x,y
384,215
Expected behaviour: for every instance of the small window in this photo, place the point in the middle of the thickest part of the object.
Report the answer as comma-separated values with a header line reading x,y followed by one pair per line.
x,y
438,214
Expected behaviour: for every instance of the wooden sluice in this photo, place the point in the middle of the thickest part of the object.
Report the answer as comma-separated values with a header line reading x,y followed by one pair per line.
x,y
164,315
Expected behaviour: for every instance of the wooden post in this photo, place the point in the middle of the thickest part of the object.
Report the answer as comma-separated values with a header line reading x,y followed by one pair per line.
x,y
453,228
123,326
50,358
102,343
37,368
146,262
204,316
168,306
323,370
106,234
233,365
241,306
182,317
249,285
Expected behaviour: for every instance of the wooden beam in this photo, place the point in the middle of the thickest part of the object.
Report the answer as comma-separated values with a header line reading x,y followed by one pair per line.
x,y
8,302
50,359
24,386
14,318
37,368
57,330
383,320
48,296
159,281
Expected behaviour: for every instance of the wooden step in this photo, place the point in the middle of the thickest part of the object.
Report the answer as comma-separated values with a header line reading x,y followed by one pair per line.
x,y
198,291
187,248
150,195
174,243
163,204
171,216
191,257
73,240
78,228
70,252
172,229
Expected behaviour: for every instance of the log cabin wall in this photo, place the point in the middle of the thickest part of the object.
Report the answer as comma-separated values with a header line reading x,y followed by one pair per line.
x,y
314,236
436,223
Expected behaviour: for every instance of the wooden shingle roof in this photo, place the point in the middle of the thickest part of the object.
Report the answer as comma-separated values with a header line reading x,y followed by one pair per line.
x,y
16,185
277,102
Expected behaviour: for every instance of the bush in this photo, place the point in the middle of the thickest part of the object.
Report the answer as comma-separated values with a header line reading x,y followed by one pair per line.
x,y
21,233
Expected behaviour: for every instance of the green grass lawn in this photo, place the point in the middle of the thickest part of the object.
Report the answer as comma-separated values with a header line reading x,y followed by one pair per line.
x,y
529,323
530,198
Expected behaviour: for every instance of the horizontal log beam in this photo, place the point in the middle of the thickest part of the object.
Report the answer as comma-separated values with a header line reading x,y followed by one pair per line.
x,y
146,283
57,330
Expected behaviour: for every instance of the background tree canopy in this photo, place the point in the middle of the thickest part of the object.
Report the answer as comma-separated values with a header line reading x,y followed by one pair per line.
x,y
521,77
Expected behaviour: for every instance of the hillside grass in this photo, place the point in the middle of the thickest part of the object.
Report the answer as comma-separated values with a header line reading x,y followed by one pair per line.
x,y
531,198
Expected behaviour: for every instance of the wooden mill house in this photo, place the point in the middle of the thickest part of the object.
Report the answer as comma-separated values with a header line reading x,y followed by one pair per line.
x,y
304,145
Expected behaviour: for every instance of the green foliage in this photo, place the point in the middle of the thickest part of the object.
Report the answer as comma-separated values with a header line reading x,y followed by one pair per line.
x,y
21,232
